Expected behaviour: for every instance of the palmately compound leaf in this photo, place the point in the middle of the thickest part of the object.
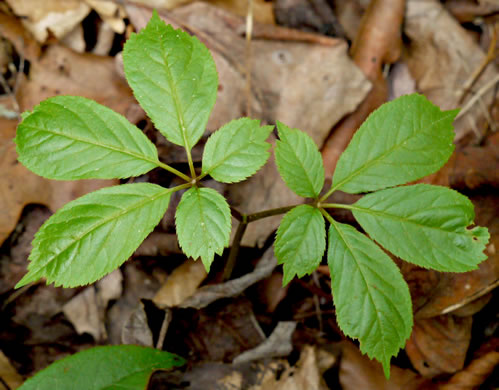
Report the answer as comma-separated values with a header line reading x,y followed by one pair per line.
x,y
174,78
371,298
203,224
300,241
299,161
403,140
425,225
104,368
70,138
94,234
237,150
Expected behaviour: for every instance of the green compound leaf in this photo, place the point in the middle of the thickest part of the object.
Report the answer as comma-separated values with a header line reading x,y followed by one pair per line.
x,y
94,234
236,151
174,78
372,299
299,161
425,225
300,241
104,368
203,224
403,140
70,138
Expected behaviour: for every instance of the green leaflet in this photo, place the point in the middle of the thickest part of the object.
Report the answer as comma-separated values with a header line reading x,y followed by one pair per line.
x,y
403,140
104,368
299,161
94,234
300,241
70,137
203,224
425,225
372,299
236,151
174,78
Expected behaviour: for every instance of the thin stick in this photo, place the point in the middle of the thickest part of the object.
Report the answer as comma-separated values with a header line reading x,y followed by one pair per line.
x,y
482,91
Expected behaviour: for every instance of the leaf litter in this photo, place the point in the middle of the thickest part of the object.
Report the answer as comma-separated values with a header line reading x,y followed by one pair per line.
x,y
175,303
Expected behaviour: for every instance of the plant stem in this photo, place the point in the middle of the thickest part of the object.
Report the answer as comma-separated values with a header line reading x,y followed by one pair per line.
x,y
244,220
173,170
234,251
180,187
191,165
268,213
337,206
328,194
327,216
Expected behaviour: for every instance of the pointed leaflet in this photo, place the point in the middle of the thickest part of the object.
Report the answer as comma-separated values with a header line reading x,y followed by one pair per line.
x,y
236,151
203,224
93,235
174,78
403,140
372,299
300,241
104,368
424,224
70,138
299,161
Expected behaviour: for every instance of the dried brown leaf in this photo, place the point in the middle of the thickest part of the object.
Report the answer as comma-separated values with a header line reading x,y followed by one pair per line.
x,y
438,345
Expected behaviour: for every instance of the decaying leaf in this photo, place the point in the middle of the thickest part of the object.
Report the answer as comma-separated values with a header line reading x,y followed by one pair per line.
x,y
277,344
86,310
181,284
442,57
439,345
208,294
8,374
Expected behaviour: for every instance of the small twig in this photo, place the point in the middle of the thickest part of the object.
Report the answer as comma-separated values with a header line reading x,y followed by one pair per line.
x,y
482,91
478,71
164,328
471,298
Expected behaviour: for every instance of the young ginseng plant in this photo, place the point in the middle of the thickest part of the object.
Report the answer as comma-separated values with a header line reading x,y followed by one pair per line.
x,y
174,79
427,225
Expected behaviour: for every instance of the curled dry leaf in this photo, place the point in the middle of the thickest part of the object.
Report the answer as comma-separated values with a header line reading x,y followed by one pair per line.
x,y
181,284
305,375
136,328
277,344
86,310
439,345
58,16
208,294
357,371
475,374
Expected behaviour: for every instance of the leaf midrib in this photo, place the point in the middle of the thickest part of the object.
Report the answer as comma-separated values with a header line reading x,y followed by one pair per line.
x,y
176,100
300,162
90,142
401,219
369,164
104,221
